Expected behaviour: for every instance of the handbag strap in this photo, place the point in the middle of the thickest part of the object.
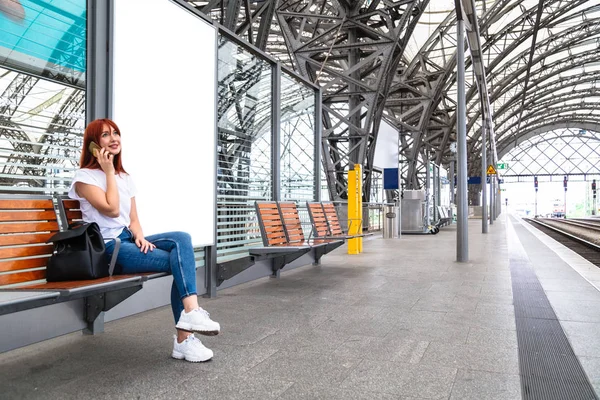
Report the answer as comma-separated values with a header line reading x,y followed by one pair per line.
x,y
77,224
113,260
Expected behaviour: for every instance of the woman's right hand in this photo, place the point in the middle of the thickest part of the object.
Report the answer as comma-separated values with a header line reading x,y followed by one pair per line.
x,y
106,161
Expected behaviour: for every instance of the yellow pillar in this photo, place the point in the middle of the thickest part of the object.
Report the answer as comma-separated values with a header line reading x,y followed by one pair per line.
x,y
359,205
355,209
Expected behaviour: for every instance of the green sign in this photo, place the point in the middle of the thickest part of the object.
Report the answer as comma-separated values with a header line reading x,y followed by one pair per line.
x,y
502,165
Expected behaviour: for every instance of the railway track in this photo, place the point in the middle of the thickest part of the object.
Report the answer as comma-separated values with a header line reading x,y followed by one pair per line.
x,y
585,248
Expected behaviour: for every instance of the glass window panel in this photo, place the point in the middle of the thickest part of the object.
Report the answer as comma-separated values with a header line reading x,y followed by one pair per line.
x,y
41,133
45,38
297,158
559,152
297,140
244,173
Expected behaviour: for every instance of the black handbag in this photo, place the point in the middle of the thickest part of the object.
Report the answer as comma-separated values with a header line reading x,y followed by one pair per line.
x,y
79,254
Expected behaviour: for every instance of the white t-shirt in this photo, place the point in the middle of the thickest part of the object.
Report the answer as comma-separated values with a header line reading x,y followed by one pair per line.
x,y
110,227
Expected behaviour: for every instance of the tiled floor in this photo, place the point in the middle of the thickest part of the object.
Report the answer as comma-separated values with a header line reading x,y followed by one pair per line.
x,y
402,320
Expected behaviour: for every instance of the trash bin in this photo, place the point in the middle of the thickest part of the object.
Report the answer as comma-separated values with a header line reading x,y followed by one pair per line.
x,y
391,219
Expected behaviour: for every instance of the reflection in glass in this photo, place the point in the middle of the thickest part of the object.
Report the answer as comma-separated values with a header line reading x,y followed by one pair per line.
x,y
41,132
297,140
244,147
298,145
45,39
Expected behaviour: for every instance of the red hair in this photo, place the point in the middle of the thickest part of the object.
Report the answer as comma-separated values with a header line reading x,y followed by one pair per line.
x,y
93,132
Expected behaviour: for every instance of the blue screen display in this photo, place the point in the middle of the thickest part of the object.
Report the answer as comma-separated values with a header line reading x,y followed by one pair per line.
x,y
390,179
44,37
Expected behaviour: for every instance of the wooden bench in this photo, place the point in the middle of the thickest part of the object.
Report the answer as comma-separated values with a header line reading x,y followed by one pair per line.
x,y
26,223
326,224
295,233
275,239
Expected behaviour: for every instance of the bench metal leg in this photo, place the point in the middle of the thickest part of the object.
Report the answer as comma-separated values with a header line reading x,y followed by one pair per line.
x,y
280,261
276,273
229,269
95,306
319,252
96,326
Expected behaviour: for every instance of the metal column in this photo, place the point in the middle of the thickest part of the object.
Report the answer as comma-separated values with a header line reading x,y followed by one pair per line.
x,y
435,191
437,187
452,199
492,200
462,233
276,139
427,192
318,134
498,198
276,132
484,213
99,60
210,252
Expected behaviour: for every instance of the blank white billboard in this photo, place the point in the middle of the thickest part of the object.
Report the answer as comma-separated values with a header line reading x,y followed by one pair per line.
x,y
164,103
386,148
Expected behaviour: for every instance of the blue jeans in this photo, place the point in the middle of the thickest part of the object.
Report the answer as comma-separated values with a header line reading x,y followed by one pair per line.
x,y
174,254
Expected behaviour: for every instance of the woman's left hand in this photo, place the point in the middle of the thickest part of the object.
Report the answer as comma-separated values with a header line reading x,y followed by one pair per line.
x,y
144,245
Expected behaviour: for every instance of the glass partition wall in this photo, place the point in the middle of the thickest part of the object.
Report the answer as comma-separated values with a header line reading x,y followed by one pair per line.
x,y
43,118
252,92
298,140
42,96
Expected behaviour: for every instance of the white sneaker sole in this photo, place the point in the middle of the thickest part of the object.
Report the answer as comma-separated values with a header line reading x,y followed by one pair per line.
x,y
180,356
185,326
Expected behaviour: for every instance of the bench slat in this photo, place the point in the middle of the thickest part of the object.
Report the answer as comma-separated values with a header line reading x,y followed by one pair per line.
x,y
77,284
11,240
269,217
275,229
71,204
25,204
275,235
73,214
22,227
271,206
27,215
16,265
279,242
272,222
28,251
20,277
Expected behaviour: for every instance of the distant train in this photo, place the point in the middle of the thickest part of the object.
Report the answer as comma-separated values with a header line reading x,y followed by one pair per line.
x,y
558,208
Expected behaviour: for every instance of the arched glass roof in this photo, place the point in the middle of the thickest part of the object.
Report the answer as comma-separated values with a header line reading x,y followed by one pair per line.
x,y
568,151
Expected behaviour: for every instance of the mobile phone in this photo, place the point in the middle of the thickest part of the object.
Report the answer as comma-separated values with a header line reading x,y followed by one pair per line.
x,y
94,149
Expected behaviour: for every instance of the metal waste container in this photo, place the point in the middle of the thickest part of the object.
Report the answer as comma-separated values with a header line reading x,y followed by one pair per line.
x,y
391,220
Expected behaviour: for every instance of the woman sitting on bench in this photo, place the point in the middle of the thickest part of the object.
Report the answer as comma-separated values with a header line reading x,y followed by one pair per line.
x,y
106,194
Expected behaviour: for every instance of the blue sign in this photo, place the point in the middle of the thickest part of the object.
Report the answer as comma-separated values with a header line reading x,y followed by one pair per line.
x,y
474,180
390,179
45,37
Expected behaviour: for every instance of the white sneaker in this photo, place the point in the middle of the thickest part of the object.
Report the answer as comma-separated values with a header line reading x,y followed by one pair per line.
x,y
198,320
191,349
